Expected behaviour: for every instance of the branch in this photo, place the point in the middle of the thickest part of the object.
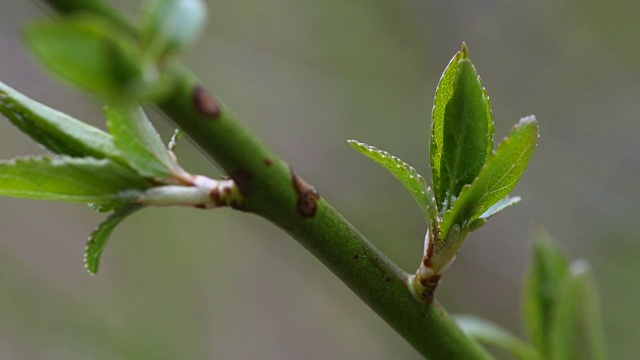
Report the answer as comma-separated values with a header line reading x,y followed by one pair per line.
x,y
274,191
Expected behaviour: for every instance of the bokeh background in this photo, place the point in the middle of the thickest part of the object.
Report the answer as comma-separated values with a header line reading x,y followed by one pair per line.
x,y
306,76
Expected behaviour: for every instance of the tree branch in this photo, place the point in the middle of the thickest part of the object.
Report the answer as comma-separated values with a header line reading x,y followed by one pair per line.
x,y
274,191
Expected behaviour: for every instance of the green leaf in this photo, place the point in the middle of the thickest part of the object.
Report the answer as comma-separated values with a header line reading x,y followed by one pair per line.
x,y
497,178
576,329
462,130
407,175
69,179
491,334
168,26
137,139
494,209
490,127
444,93
98,238
88,52
499,206
56,131
542,284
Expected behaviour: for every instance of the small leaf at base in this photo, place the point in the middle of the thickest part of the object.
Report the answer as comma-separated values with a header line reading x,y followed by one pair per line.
x,y
499,206
98,238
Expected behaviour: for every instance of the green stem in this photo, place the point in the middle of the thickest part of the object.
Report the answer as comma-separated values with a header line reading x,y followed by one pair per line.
x,y
273,190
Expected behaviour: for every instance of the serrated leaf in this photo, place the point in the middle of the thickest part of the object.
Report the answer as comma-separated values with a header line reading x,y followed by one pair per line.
x,y
490,127
444,93
64,178
88,52
57,131
497,178
462,130
492,334
99,237
542,284
137,139
407,175
576,329
170,25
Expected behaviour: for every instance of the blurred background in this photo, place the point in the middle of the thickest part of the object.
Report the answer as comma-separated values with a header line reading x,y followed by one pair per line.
x,y
306,76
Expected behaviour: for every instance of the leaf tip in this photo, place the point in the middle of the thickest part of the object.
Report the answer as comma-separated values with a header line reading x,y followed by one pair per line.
x,y
579,267
531,119
355,144
464,50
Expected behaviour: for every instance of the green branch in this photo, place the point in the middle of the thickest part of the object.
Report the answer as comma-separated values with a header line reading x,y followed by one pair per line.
x,y
274,191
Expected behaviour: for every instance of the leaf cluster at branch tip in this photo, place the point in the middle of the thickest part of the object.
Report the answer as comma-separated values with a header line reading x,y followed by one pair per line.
x,y
470,182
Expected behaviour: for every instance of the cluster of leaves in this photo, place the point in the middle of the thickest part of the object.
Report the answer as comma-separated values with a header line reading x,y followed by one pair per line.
x,y
102,58
471,182
110,171
560,309
114,170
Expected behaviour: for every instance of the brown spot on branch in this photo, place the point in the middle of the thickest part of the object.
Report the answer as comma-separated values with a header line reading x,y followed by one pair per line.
x,y
307,204
204,103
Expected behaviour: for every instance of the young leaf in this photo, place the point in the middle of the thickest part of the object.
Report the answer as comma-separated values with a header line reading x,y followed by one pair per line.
x,y
407,175
98,238
541,287
497,178
494,209
491,334
88,52
462,130
170,25
69,179
576,330
499,206
141,145
444,92
465,133
57,131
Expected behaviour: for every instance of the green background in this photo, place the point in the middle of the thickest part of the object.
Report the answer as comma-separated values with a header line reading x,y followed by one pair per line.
x,y
306,76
